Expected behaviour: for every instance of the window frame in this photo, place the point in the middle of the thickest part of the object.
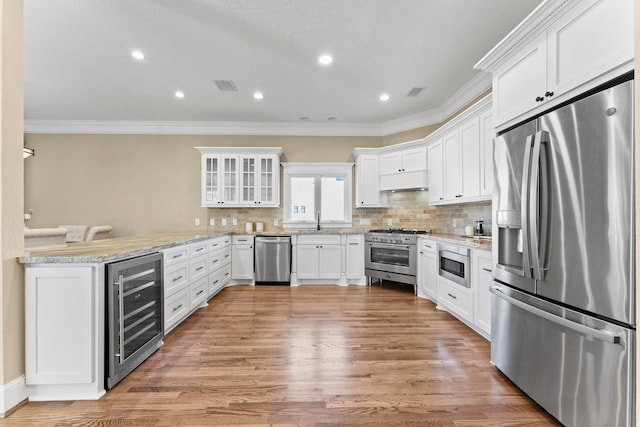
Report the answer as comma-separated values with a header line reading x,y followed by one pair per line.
x,y
318,170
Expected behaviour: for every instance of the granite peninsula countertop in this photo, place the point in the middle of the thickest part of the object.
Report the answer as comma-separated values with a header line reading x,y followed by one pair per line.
x,y
478,243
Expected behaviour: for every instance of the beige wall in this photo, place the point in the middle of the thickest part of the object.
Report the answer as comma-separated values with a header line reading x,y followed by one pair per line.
x,y
11,187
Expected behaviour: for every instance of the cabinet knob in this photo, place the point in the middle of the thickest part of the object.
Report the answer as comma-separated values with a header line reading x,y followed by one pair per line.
x,y
539,99
441,198
548,94
421,253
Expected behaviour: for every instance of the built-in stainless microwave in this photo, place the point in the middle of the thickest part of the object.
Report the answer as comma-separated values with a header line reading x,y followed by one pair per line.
x,y
454,263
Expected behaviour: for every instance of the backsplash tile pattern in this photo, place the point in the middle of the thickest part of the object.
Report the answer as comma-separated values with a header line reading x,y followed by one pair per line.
x,y
408,209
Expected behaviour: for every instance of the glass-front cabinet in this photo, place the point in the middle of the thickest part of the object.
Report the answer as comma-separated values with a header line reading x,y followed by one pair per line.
x,y
246,177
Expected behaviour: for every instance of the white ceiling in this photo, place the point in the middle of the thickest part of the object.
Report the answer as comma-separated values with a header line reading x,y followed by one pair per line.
x,y
79,72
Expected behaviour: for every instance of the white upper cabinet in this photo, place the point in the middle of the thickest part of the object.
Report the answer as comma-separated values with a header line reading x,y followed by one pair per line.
x,y
461,159
403,168
561,50
233,177
436,172
368,194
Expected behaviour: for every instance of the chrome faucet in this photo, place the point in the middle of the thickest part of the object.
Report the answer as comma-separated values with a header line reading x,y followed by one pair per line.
x,y
318,220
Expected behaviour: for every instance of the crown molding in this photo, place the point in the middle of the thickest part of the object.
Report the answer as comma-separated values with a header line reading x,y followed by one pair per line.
x,y
455,103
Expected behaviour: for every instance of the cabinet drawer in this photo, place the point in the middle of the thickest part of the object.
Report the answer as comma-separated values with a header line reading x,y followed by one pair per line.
x,y
176,277
215,244
214,260
242,240
198,248
426,245
456,299
176,308
198,293
175,255
319,239
225,274
198,268
225,255
215,283
226,241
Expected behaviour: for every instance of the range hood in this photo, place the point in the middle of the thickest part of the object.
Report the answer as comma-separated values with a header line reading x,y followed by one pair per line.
x,y
405,181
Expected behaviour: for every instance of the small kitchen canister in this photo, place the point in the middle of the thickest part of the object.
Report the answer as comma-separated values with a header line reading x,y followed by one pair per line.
x,y
259,226
248,227
468,230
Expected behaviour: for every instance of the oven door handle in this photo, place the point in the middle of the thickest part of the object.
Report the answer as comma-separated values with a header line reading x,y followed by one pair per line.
x,y
389,246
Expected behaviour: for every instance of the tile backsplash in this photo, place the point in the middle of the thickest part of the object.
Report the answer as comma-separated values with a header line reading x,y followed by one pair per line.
x,y
409,209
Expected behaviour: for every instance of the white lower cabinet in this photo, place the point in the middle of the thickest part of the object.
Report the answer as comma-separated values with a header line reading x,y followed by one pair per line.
x,y
456,299
481,278
176,309
198,292
242,257
427,276
355,256
319,256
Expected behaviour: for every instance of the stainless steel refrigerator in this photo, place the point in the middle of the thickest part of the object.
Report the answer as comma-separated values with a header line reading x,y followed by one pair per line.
x,y
563,297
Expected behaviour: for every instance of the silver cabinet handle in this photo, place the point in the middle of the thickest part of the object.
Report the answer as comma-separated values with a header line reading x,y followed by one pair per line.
x,y
177,278
177,256
427,246
177,308
199,249
200,292
487,269
581,329
199,268
453,296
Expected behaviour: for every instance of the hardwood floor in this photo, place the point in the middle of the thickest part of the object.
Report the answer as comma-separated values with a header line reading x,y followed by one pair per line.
x,y
308,356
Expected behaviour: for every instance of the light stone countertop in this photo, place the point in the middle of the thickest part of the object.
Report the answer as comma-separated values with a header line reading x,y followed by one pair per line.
x,y
456,239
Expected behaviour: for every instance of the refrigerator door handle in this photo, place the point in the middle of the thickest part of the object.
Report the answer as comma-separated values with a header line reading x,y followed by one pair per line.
x,y
581,329
537,217
525,209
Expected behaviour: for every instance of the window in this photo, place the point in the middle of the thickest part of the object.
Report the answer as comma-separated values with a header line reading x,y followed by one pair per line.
x,y
317,188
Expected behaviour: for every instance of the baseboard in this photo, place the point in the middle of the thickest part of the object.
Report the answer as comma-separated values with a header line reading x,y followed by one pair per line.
x,y
12,394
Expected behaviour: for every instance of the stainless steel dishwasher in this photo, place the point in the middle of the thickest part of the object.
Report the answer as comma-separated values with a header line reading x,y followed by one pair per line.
x,y
272,259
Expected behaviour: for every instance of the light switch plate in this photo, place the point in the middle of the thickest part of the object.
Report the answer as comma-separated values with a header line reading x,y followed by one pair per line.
x,y
234,221
224,222
275,221
196,221
389,221
212,221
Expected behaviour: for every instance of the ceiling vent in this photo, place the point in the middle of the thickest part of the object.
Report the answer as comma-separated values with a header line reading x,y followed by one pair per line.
x,y
226,85
415,92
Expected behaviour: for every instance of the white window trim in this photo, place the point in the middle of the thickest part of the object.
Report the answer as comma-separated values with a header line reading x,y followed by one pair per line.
x,y
318,169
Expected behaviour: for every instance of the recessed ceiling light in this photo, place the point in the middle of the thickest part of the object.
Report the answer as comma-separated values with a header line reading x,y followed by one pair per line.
x,y
179,94
258,95
325,59
384,97
137,55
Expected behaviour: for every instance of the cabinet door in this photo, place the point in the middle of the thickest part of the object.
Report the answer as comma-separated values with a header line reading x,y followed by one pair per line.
x,y
355,257
229,179
435,172
469,139
307,261
588,42
329,262
519,84
414,159
391,163
242,262
486,153
269,182
367,182
211,195
451,161
427,274
481,278
248,180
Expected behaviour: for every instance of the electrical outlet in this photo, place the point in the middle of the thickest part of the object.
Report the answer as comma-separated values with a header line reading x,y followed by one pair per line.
x,y
224,222
365,221
275,221
234,221
196,221
389,221
212,221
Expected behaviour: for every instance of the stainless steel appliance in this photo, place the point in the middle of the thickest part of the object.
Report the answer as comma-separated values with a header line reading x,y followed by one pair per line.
x,y
454,263
391,254
563,317
272,259
134,314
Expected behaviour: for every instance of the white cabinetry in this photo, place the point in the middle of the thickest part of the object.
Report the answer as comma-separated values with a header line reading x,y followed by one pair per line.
x,y
368,194
242,257
436,172
481,279
318,256
355,256
427,276
456,299
233,177
461,158
562,48
176,272
403,168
